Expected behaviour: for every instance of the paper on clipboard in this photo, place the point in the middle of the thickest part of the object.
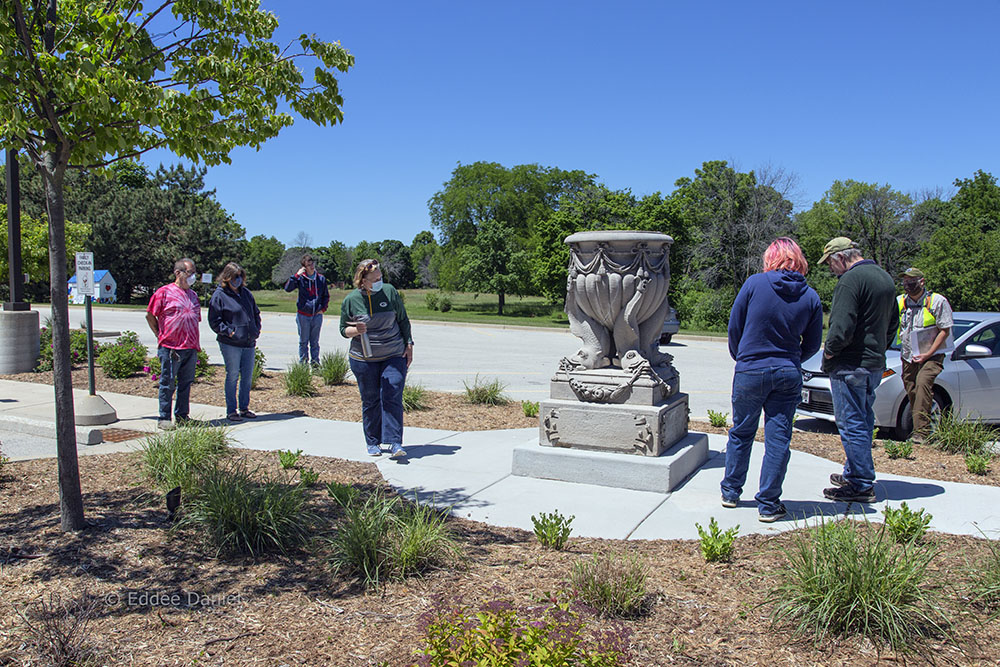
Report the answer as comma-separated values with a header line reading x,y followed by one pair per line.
x,y
921,340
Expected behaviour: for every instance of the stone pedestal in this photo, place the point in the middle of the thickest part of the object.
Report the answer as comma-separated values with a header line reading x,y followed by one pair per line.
x,y
19,336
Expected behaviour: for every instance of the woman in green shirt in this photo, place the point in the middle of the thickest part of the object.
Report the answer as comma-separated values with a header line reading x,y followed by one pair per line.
x,y
374,318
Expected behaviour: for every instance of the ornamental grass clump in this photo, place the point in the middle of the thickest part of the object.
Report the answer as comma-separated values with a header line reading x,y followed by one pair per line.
x,y
248,512
177,458
611,582
847,578
961,436
299,380
383,538
984,580
486,393
414,397
333,367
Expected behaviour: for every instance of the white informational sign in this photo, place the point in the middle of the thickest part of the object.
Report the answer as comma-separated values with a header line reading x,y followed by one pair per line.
x,y
206,278
85,273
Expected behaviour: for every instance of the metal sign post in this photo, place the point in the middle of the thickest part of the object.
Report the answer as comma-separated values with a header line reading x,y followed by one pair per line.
x,y
85,286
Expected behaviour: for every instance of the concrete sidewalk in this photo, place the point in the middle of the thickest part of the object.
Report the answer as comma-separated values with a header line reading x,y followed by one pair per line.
x,y
470,472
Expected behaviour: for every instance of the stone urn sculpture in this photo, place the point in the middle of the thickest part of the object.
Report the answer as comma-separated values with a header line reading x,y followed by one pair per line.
x,y
615,415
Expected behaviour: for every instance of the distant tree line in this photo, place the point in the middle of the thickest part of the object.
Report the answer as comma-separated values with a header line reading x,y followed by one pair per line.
x,y
500,230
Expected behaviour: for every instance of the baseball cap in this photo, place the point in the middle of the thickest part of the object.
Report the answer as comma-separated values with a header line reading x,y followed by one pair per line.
x,y
912,273
838,244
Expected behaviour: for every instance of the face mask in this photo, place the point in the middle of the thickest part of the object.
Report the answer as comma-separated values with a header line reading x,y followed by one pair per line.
x,y
236,282
191,279
377,285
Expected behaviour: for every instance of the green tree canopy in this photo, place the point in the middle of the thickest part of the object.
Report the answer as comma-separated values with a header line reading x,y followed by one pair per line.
x,y
260,255
495,262
90,82
422,250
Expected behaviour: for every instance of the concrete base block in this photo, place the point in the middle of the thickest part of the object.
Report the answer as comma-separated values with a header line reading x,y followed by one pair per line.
x,y
47,429
659,474
627,429
93,411
19,335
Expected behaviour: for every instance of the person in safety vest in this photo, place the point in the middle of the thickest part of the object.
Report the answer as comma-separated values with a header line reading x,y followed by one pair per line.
x,y
925,322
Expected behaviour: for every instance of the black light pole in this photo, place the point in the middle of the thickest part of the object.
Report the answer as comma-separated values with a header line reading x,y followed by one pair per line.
x,y
14,235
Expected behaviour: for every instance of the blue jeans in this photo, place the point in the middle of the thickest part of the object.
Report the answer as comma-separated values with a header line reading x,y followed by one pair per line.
x,y
381,386
176,370
776,390
309,326
239,365
853,391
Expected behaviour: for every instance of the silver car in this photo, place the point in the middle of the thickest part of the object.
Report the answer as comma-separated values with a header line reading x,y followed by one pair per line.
x,y
969,383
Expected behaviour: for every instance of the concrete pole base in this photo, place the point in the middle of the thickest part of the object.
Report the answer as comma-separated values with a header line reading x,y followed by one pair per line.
x,y
93,411
19,337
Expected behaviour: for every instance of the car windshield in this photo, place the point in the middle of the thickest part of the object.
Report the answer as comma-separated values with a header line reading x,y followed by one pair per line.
x,y
959,328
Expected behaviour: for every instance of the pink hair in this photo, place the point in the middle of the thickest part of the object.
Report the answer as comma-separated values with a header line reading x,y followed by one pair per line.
x,y
784,253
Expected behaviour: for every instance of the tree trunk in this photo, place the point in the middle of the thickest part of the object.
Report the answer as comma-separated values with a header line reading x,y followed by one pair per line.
x,y
70,499
500,303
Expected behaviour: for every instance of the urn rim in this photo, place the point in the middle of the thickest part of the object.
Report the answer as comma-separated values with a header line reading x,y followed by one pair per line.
x,y
606,236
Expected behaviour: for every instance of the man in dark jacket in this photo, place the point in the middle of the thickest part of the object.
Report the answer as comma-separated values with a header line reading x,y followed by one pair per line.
x,y
314,297
863,323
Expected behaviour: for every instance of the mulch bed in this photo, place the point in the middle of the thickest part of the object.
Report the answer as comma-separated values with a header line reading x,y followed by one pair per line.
x,y
295,611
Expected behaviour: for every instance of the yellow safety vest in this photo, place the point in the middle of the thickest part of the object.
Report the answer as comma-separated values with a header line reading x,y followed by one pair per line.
x,y
928,320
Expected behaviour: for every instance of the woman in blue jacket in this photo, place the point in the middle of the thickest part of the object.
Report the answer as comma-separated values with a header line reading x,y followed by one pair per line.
x,y
233,315
776,322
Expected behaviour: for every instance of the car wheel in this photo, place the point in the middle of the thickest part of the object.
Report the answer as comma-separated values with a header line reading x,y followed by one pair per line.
x,y
665,339
905,422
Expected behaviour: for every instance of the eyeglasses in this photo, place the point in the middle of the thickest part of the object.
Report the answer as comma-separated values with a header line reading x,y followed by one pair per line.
x,y
369,265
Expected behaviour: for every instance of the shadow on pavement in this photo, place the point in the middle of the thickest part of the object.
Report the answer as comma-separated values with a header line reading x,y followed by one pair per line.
x,y
422,451
894,489
453,499
802,510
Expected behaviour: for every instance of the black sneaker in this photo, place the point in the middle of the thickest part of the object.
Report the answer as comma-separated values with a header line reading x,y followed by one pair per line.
x,y
837,479
848,494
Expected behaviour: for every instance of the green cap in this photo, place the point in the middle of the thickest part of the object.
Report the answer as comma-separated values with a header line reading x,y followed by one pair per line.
x,y
838,244
912,273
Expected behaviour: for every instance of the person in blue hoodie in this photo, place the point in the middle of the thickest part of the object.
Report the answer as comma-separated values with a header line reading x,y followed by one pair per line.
x,y
234,317
775,323
314,297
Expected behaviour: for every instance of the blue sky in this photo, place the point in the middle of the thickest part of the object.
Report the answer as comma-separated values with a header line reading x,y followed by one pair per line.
x,y
638,93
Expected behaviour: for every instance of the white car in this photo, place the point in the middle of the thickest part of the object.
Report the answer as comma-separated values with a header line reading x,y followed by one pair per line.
x,y
969,383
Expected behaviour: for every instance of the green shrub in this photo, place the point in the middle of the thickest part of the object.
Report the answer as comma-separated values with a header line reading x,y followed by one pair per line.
x,y
288,458
153,367
299,380
343,494
383,538
123,358
77,347
842,579
898,450
486,393
202,368
444,303
308,476
960,436
550,636
978,464
333,367
553,529
176,458
246,512
718,419
612,583
414,397
259,359
904,524
717,545
703,308
530,408
431,299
